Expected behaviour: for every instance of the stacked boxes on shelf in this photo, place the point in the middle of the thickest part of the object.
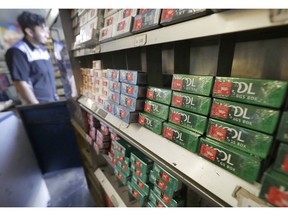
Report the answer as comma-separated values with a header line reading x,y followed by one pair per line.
x,y
167,189
110,19
139,186
93,126
241,125
102,142
156,109
146,20
124,24
275,180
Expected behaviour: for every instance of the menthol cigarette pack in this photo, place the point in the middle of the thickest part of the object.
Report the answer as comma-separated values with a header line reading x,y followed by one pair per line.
x,y
244,139
156,109
136,193
133,77
120,157
141,175
155,200
134,104
121,175
274,188
181,136
142,186
270,93
151,205
200,85
114,86
190,102
126,114
233,160
134,91
123,147
171,202
126,170
281,162
188,120
282,133
109,106
113,74
160,95
168,178
114,96
151,122
140,161
250,116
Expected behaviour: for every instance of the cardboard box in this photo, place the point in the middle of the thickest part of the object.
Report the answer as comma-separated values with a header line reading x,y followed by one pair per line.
x,y
114,86
156,109
147,21
250,141
114,96
109,106
124,168
106,33
137,194
120,157
140,161
181,136
109,21
281,162
113,74
142,186
125,114
121,175
150,204
132,103
171,16
250,116
160,95
192,103
122,27
134,91
274,188
200,85
269,93
96,65
188,120
155,200
144,177
282,133
233,160
122,14
150,122
110,12
123,147
171,202
133,77
83,18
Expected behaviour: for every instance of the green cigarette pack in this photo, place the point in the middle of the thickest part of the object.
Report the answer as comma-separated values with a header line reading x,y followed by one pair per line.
x,y
124,168
151,122
141,185
141,175
140,161
188,120
171,202
250,116
281,161
160,95
124,147
168,179
244,139
181,136
120,157
151,205
234,161
282,133
274,188
156,180
136,193
121,175
270,93
156,109
155,200
201,85
190,102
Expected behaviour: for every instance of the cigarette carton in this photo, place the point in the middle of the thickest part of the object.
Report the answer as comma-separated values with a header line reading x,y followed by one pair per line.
x,y
114,96
274,188
133,77
250,141
126,13
194,103
250,116
144,177
140,161
121,175
200,85
110,20
137,194
151,122
171,202
146,21
113,74
155,200
126,114
122,27
281,162
114,86
188,120
142,186
234,161
151,205
120,157
132,103
123,147
134,91
181,136
109,106
124,168
156,109
160,95
282,133
270,93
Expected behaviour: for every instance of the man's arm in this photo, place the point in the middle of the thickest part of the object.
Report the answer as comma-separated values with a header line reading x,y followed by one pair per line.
x,y
25,91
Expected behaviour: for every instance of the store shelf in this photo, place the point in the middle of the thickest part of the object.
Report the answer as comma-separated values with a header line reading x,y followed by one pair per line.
x,y
228,21
213,182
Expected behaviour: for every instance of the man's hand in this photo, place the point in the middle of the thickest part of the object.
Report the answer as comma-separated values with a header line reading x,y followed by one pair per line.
x,y
26,92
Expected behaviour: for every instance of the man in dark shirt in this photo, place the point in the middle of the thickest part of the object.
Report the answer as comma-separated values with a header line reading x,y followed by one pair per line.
x,y
29,63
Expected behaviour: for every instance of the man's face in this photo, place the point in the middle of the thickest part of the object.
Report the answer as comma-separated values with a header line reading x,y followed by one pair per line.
x,y
41,34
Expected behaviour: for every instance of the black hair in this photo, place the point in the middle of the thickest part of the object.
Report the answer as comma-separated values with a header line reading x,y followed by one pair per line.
x,y
30,20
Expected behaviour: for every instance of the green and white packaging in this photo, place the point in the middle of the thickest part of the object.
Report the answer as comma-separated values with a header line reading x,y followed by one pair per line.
x,y
233,160
155,200
141,185
160,95
270,93
201,85
282,133
136,193
281,161
188,120
151,122
244,139
192,103
121,175
140,161
171,202
250,116
181,136
156,109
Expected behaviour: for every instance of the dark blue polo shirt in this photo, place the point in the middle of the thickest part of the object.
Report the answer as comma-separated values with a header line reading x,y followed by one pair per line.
x,y
33,65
